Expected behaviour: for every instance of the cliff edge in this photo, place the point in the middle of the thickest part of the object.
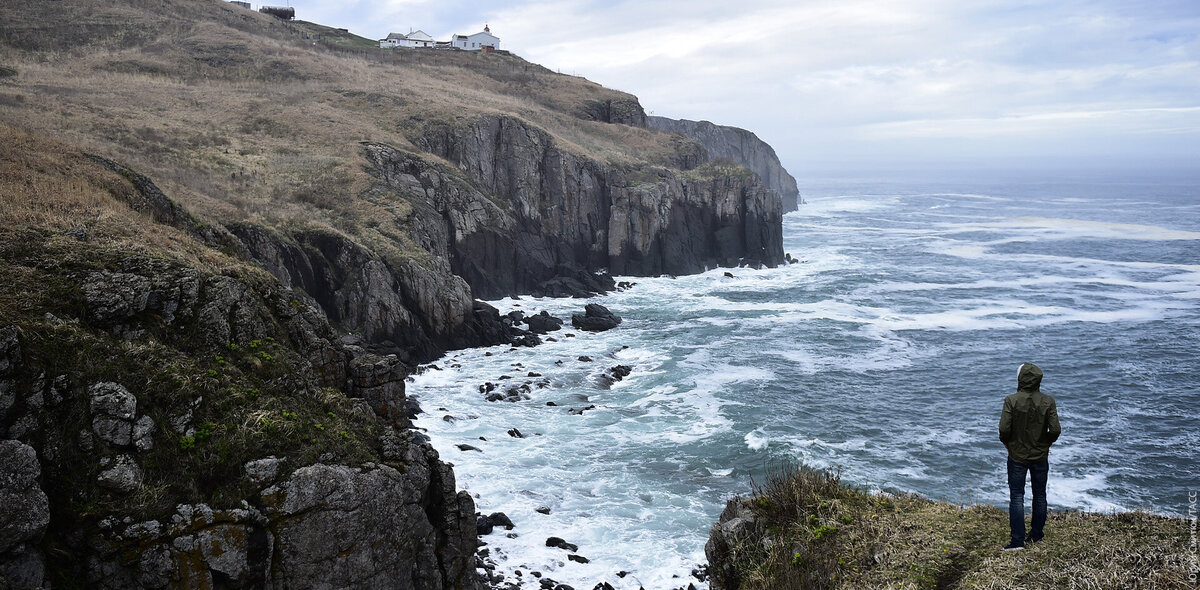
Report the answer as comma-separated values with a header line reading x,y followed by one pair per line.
x,y
806,529
741,146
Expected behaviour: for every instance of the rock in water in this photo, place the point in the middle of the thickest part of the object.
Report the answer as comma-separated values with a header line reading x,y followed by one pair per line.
x,y
543,322
613,375
561,544
595,318
484,525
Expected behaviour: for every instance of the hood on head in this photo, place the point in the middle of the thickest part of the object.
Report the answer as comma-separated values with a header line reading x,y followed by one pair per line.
x,y
1029,377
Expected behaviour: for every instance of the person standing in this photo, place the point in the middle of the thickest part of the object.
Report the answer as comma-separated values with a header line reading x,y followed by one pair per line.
x,y
1028,426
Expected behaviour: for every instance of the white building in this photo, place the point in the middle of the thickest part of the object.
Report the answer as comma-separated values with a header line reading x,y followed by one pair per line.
x,y
412,39
484,40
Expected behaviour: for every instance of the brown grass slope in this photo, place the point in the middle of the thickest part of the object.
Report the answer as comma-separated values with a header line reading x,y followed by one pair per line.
x,y
241,116
806,529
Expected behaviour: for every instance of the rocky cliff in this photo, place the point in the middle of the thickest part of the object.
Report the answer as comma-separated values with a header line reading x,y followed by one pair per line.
x,y
171,427
180,418
739,145
540,212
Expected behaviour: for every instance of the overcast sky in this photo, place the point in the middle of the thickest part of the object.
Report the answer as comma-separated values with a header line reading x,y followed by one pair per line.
x,y
862,84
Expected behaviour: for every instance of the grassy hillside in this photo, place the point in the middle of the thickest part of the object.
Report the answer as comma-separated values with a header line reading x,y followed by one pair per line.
x,y
242,116
809,530
335,37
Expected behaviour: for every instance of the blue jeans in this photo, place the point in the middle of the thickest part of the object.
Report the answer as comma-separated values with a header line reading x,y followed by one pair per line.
x,y
1016,498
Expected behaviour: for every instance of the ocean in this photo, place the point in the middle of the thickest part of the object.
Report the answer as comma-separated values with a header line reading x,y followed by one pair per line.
x,y
886,351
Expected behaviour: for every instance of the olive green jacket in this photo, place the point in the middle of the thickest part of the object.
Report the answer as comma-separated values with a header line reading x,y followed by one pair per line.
x,y
1029,422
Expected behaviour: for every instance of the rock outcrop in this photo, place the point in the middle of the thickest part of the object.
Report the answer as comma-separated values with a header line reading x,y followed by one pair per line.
x,y
736,524
334,526
113,430
24,515
625,111
415,306
739,145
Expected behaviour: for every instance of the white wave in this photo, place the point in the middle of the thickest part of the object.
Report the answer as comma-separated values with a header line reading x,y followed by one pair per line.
x,y
975,196
888,353
945,437
757,440
1057,228
1082,492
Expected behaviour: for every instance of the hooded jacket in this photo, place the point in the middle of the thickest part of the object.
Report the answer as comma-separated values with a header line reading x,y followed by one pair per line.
x,y
1029,421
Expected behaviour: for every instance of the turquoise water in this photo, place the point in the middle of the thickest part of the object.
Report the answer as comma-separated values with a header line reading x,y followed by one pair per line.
x,y
886,351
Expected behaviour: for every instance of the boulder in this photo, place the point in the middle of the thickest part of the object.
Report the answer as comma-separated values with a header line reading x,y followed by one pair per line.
x,y
529,340
122,475
373,527
613,375
262,471
559,543
595,318
143,433
543,322
113,410
484,525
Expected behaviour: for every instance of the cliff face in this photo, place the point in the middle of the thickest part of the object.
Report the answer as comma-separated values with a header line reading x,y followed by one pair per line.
x,y
516,214
541,212
738,145
416,308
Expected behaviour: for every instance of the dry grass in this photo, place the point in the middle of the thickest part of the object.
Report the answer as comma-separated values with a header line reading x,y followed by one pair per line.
x,y
819,533
240,117
46,186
